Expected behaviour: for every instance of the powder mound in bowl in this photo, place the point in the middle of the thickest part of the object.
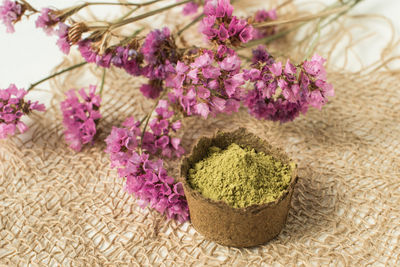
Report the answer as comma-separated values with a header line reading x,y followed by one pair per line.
x,y
240,176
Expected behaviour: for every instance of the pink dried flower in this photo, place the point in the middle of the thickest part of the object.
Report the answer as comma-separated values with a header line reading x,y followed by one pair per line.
x,y
147,179
12,108
63,42
122,142
150,183
10,12
159,139
47,20
160,52
297,93
126,57
80,118
218,15
218,73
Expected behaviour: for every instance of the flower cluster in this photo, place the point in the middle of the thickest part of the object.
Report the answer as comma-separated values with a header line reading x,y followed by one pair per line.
x,y
146,179
80,118
160,52
126,57
47,20
281,93
159,141
264,16
12,108
149,182
221,27
122,142
11,12
209,85
63,42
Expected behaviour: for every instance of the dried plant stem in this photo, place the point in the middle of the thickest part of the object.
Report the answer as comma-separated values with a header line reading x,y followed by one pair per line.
x,y
328,22
148,14
147,117
303,18
271,38
124,4
56,74
315,41
103,78
31,8
325,13
284,4
127,14
187,26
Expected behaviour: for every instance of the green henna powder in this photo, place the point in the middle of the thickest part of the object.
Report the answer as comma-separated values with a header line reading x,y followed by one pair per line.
x,y
240,176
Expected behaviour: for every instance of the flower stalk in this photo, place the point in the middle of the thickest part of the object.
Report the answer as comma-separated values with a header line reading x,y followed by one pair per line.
x,y
56,74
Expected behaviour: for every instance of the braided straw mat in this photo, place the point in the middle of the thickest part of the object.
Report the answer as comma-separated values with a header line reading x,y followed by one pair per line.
x,y
64,208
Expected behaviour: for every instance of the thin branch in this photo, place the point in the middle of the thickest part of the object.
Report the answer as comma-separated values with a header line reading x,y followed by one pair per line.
x,y
148,14
315,41
103,78
124,4
187,26
148,117
302,18
56,74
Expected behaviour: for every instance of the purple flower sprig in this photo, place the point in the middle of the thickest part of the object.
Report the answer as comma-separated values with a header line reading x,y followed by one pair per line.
x,y
80,118
145,178
160,53
281,92
126,56
221,27
47,20
158,141
150,183
10,13
12,107
211,84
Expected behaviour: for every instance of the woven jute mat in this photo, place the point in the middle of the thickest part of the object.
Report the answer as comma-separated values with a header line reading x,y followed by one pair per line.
x,y
64,208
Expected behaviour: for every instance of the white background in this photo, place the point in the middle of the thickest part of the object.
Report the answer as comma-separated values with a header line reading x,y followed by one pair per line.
x,y
29,54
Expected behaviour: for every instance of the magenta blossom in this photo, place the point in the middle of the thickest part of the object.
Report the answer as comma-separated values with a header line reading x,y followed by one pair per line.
x,y
80,118
63,42
147,179
47,20
122,142
10,12
150,183
280,92
126,57
160,53
159,140
221,27
211,84
12,108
